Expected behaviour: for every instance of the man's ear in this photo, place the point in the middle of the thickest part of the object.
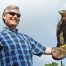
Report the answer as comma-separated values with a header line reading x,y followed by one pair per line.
x,y
3,16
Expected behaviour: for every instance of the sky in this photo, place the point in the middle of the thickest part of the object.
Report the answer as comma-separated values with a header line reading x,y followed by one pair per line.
x,y
39,19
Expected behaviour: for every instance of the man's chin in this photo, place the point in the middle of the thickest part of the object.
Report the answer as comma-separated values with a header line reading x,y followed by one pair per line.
x,y
13,25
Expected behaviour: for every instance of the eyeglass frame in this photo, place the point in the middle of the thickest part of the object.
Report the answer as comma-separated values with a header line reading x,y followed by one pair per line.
x,y
13,14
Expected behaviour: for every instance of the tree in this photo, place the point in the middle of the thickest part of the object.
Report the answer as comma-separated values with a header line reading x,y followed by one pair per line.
x,y
52,64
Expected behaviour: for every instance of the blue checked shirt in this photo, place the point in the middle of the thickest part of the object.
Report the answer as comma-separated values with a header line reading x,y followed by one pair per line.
x,y
17,49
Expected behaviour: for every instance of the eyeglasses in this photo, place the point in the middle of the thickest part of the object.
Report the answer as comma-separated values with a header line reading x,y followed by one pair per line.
x,y
13,14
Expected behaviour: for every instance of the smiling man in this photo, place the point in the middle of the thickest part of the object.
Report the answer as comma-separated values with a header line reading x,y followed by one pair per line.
x,y
11,16
17,49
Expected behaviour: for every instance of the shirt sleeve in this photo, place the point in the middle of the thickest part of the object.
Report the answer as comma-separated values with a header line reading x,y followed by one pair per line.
x,y
36,47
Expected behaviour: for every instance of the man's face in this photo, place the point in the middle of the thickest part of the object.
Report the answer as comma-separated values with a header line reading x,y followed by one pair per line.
x,y
12,18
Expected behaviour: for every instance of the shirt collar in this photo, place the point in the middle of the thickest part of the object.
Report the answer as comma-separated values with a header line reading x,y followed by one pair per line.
x,y
9,29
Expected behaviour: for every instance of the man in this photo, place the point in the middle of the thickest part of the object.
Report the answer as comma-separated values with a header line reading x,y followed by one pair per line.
x,y
17,49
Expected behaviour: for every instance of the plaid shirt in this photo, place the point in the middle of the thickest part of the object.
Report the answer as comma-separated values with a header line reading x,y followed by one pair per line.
x,y
18,48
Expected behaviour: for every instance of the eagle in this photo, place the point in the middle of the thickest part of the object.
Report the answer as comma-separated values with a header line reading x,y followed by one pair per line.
x,y
61,29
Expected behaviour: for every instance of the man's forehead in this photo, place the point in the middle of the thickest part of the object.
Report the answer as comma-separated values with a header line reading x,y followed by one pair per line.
x,y
13,10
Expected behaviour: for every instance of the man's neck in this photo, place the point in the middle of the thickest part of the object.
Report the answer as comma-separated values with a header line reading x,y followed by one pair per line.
x,y
12,28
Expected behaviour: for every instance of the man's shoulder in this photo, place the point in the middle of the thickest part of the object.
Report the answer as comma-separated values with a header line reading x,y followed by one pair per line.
x,y
22,34
25,36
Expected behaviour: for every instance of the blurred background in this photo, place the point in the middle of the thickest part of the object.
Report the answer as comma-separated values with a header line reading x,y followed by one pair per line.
x,y
39,19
